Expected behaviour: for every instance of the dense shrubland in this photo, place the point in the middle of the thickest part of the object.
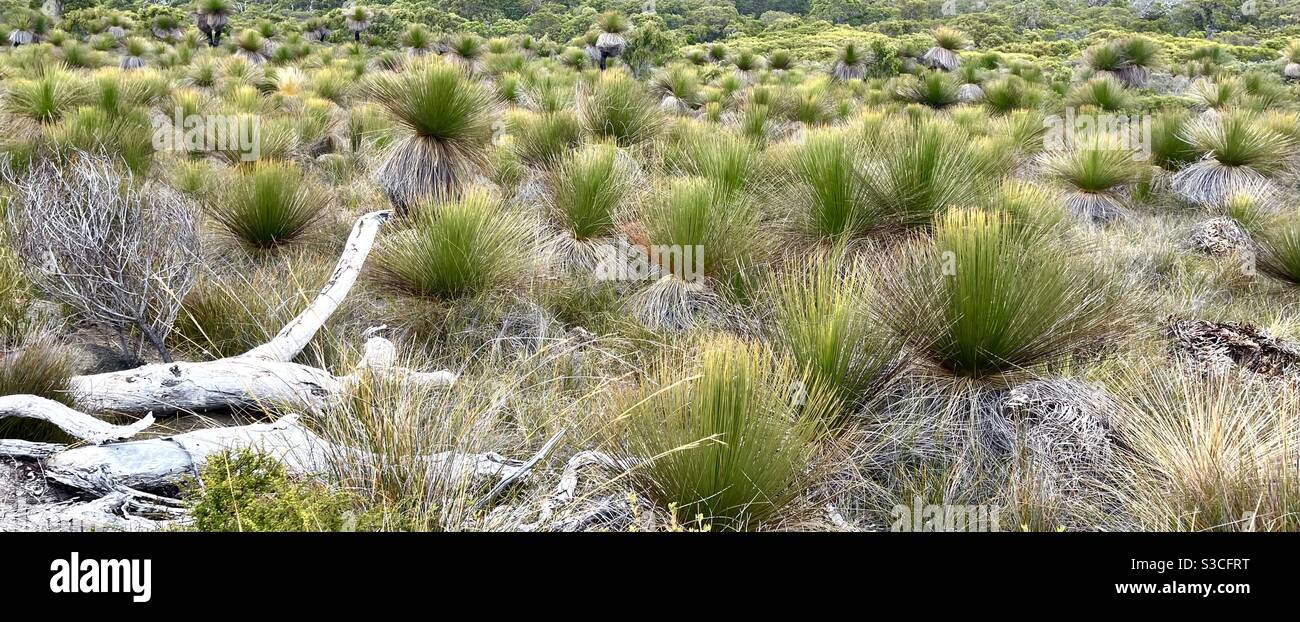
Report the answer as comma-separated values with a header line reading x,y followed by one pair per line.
x,y
918,279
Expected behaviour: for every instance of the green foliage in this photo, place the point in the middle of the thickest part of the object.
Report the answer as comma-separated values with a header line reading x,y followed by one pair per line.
x,y
455,249
448,118
729,161
727,444
693,212
920,170
829,189
47,98
588,190
987,298
825,318
617,107
543,140
269,206
1103,93
248,491
1239,140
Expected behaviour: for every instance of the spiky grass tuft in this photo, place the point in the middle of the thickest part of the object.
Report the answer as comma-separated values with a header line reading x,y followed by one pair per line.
x,y
1096,174
544,140
588,191
617,107
826,320
917,172
988,298
1239,153
726,444
271,205
448,117
1103,93
456,249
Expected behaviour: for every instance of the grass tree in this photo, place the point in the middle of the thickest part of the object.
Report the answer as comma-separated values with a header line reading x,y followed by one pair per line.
x,y
28,27
678,87
468,50
730,161
1291,61
543,140
987,297
357,20
45,99
134,50
747,63
448,121
826,320
829,197
453,249
417,40
921,169
1239,154
780,60
1219,93
167,27
1276,237
1103,93
251,45
586,193
316,29
271,205
943,55
212,17
1009,93
1096,176
1170,147
850,63
618,107
1129,60
935,89
695,242
612,40
729,446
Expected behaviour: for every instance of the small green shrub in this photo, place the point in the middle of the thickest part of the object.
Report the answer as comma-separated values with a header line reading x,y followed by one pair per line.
x,y
249,491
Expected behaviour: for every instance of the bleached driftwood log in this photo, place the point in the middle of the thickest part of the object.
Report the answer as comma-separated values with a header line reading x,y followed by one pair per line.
x,y
264,375
105,467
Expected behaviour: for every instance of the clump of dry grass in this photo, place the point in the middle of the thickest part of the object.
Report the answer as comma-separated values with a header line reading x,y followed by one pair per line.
x,y
1208,451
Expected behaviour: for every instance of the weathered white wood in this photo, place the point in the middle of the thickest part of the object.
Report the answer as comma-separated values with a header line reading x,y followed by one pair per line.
x,y
262,376
28,450
76,424
300,330
195,387
161,463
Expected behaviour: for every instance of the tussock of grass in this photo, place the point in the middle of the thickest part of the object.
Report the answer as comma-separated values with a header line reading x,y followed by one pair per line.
x,y
987,298
39,367
455,249
725,443
1211,452
271,205
826,319
617,107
